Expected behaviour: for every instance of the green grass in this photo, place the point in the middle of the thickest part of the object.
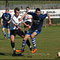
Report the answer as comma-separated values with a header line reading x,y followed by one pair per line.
x,y
48,44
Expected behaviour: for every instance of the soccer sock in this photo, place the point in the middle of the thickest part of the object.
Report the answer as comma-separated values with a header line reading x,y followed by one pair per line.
x,y
4,34
25,32
8,35
34,42
13,46
28,43
23,45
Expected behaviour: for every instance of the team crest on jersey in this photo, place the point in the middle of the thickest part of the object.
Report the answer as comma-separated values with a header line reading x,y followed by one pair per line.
x,y
7,17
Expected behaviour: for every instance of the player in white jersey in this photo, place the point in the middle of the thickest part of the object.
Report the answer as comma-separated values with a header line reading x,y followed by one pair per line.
x,y
15,29
28,20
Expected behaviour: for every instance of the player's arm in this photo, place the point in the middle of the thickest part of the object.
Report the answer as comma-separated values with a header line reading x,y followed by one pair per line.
x,y
9,21
49,18
23,16
26,25
1,21
31,13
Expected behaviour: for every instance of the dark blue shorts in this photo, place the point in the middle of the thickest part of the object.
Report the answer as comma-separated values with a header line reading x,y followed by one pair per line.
x,y
6,26
32,31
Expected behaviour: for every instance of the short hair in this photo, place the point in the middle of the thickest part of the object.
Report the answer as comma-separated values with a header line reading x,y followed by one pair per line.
x,y
27,7
37,9
16,9
7,9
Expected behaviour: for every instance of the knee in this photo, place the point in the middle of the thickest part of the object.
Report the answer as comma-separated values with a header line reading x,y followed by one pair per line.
x,y
8,30
25,29
12,39
32,36
3,30
22,36
25,38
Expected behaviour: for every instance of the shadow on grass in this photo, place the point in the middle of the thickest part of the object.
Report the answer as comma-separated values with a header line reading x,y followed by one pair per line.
x,y
2,54
58,58
18,55
10,54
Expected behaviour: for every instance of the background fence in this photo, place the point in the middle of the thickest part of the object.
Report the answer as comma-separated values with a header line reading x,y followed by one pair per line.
x,y
33,4
43,4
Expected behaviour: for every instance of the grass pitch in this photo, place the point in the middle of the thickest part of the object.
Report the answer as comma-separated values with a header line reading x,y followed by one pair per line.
x,y
48,44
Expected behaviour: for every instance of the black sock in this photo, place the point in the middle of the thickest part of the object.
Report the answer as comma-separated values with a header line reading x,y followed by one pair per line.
x,y
28,43
25,32
13,45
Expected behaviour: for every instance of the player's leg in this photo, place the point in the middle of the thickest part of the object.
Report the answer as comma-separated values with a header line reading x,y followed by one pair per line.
x,y
8,30
20,33
27,42
25,29
12,34
24,40
3,29
33,40
23,43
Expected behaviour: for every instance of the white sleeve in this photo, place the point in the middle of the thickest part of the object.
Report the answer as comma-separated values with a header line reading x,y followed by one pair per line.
x,y
29,15
12,20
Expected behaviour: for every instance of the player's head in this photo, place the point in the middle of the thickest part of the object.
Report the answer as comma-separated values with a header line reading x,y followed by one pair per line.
x,y
27,9
37,11
17,11
7,11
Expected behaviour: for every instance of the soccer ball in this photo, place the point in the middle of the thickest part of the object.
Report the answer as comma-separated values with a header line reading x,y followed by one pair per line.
x,y
58,54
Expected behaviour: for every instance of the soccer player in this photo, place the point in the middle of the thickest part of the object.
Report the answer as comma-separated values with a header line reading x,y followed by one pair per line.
x,y
28,20
36,28
14,29
5,22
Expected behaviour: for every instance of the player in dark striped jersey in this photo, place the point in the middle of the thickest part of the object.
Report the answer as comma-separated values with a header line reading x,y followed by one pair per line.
x,y
36,28
5,22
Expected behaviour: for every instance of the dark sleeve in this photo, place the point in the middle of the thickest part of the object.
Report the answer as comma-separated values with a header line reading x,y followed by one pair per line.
x,y
31,13
44,16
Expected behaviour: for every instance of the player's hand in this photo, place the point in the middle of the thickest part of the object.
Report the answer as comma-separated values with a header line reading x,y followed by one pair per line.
x,y
20,19
15,24
8,22
29,26
50,23
18,27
